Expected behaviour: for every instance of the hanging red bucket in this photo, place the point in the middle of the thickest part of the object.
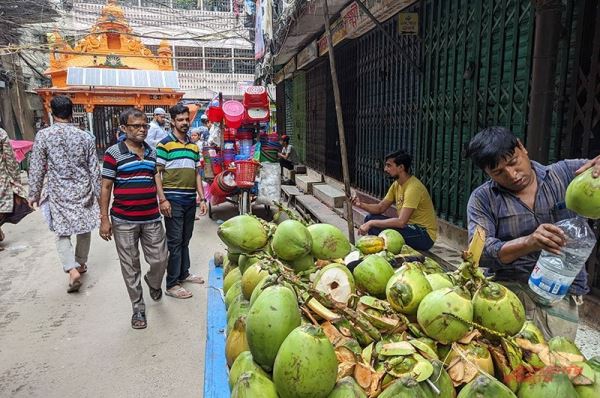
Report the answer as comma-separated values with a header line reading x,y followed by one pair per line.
x,y
234,113
224,184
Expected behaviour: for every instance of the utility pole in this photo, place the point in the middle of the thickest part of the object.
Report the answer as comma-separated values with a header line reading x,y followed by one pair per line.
x,y
340,123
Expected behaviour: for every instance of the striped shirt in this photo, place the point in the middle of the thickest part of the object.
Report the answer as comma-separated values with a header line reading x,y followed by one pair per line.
x,y
505,217
134,186
178,163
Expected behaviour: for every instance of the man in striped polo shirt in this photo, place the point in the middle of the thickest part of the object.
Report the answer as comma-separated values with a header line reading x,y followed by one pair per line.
x,y
130,168
178,181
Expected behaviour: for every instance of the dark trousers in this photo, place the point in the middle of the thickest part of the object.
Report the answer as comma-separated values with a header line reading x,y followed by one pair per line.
x,y
284,163
179,232
414,235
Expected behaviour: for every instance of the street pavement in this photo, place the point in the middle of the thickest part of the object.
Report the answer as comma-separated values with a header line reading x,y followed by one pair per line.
x,y
54,344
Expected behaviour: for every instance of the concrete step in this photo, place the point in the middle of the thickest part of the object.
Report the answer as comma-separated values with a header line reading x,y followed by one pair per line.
x,y
289,174
312,208
358,215
329,195
314,174
289,193
300,169
305,183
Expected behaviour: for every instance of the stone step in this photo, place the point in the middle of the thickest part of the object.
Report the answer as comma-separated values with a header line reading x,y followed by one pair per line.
x,y
358,215
314,209
305,183
289,174
289,193
315,175
300,169
329,195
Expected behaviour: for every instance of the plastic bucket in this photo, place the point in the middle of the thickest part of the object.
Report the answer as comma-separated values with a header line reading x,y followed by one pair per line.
x,y
234,113
245,173
222,184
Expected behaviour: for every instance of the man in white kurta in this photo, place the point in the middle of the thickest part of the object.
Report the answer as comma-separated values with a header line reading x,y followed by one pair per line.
x,y
64,180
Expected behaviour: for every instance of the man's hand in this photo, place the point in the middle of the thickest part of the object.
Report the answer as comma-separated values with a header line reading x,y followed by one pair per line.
x,y
356,201
105,229
595,163
34,204
547,237
165,208
203,208
364,229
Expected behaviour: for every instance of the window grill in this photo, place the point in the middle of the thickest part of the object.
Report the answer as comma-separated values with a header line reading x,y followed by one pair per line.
x,y
218,60
244,61
194,62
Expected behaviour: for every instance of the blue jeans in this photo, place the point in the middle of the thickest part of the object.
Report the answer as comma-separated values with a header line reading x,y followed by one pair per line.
x,y
414,235
179,232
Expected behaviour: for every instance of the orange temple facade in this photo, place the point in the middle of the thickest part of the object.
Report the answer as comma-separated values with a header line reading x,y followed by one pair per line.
x,y
111,45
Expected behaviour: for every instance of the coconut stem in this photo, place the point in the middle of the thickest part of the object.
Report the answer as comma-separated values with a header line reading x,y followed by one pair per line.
x,y
476,325
281,208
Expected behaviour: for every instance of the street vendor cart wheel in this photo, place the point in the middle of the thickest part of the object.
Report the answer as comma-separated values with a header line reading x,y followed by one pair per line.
x,y
245,207
210,212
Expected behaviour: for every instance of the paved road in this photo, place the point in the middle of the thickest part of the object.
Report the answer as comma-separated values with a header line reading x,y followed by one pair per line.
x,y
53,344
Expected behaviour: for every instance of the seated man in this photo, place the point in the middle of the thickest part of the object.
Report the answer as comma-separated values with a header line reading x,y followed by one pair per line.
x,y
416,221
517,208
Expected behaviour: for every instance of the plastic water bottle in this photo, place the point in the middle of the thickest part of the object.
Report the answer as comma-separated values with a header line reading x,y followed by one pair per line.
x,y
553,274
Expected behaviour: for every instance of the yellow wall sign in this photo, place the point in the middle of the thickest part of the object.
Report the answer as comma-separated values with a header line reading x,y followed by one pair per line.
x,y
408,23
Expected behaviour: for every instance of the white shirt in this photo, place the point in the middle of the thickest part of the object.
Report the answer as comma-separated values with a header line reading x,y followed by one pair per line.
x,y
155,134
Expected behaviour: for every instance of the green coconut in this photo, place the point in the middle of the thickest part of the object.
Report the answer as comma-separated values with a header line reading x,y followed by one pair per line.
x,y
549,382
251,278
246,261
347,388
233,259
243,234
531,332
563,344
499,309
234,291
440,312
593,390
442,382
291,240
372,275
335,280
439,281
271,318
233,276
306,364
303,263
258,290
475,353
244,363
328,242
405,388
393,240
406,288
242,309
485,386
253,385
583,195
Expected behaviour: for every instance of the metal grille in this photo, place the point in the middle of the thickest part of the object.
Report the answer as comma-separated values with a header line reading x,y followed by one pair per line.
x,y
244,61
218,60
476,59
318,89
189,58
387,105
281,108
299,118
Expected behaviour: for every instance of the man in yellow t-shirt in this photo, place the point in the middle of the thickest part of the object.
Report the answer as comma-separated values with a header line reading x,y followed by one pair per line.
x,y
416,221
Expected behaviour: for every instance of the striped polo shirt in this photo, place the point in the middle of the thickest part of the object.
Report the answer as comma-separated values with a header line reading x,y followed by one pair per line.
x,y
134,186
178,162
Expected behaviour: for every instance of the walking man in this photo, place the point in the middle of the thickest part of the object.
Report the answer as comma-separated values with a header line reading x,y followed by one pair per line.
x,y
177,182
157,128
66,156
130,167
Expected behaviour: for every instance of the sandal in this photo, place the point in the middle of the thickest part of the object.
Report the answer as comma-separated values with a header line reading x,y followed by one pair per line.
x,y
82,269
178,292
138,320
74,286
191,278
156,294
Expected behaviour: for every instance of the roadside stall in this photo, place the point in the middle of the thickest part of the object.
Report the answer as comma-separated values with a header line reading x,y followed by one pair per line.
x,y
243,169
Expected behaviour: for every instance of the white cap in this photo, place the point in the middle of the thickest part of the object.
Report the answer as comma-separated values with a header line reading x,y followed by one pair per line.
x,y
204,117
159,111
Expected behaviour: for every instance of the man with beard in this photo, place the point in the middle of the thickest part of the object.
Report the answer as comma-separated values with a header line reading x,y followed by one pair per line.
x,y
64,179
178,183
416,221
517,209
130,167
156,132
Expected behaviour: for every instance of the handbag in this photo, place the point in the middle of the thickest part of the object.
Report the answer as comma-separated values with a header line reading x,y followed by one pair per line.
x,y
20,209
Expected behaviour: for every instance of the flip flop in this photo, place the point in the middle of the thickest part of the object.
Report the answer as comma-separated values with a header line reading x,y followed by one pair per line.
x,y
82,269
138,320
156,294
74,286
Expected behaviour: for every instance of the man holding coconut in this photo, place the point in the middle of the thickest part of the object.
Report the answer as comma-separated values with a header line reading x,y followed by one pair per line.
x,y
517,209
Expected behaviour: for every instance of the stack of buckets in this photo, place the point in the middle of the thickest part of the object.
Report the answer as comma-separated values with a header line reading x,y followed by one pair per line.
x,y
229,148
269,147
244,141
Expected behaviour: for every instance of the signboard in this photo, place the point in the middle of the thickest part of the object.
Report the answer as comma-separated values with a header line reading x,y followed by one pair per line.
x,y
358,23
307,55
279,76
408,23
338,34
289,68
